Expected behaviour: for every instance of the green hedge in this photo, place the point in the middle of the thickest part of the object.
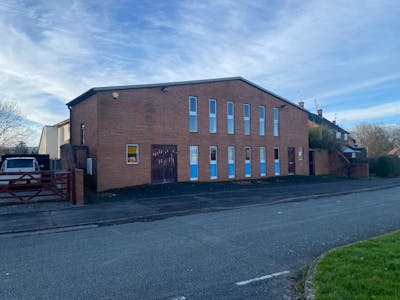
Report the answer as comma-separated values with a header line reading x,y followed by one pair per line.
x,y
386,166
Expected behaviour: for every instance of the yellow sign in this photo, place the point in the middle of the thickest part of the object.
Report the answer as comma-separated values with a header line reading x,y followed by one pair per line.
x,y
132,154
132,150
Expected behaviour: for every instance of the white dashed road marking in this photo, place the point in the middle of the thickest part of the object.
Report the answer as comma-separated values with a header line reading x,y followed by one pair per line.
x,y
262,278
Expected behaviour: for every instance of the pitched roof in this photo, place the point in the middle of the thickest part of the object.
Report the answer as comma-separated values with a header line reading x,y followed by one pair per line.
x,y
393,151
95,90
322,121
66,121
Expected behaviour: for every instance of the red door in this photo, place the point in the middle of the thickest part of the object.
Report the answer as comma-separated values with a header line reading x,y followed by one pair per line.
x,y
164,163
291,161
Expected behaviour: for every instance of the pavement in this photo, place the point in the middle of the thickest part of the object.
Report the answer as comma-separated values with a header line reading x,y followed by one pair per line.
x,y
154,202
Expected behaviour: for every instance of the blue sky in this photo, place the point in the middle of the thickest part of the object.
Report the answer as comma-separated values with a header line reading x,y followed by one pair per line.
x,y
341,56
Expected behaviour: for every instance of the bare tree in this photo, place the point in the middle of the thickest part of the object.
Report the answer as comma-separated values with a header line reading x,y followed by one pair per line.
x,y
394,134
11,124
374,137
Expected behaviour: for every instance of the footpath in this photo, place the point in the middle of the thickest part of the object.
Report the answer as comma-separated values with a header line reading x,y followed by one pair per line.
x,y
155,202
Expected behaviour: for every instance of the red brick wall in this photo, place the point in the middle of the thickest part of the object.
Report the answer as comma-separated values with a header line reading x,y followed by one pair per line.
x,y
321,162
339,167
150,116
86,112
360,170
326,163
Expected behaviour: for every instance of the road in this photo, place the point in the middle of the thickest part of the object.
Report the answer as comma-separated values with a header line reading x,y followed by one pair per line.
x,y
247,253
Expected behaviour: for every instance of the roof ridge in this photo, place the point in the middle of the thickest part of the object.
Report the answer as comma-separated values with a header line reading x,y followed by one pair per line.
x,y
94,90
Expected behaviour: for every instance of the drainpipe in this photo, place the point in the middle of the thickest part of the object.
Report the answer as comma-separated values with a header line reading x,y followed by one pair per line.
x,y
70,124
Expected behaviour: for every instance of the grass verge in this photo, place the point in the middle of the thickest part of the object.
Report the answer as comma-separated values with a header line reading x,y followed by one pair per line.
x,y
364,270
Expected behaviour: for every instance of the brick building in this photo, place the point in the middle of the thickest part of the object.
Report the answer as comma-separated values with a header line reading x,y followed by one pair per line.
x,y
52,138
205,130
347,160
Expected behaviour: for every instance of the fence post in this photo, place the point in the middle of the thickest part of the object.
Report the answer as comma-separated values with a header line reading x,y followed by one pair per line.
x,y
72,178
79,190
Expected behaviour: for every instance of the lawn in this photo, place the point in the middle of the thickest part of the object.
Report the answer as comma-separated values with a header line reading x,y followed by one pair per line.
x,y
364,270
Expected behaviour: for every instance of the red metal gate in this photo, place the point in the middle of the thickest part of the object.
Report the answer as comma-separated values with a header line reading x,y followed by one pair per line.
x,y
44,186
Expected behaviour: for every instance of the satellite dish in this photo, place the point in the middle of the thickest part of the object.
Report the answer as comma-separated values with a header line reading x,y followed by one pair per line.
x,y
115,95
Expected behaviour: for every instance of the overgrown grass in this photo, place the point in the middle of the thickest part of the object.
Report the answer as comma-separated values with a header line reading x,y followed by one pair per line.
x,y
302,281
364,270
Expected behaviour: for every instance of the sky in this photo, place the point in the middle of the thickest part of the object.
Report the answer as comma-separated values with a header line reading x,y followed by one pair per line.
x,y
340,56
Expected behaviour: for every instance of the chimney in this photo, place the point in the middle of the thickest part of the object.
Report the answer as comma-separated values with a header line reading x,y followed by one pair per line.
x,y
334,122
319,112
301,104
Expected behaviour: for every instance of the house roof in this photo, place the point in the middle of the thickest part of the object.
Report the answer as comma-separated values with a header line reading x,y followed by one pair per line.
x,y
394,151
322,121
95,90
59,124
66,121
348,149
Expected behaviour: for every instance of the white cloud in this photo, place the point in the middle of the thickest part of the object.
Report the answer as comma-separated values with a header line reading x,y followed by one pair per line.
x,y
34,131
358,86
54,51
367,114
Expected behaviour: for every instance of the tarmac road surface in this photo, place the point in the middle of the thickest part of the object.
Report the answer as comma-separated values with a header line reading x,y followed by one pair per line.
x,y
247,253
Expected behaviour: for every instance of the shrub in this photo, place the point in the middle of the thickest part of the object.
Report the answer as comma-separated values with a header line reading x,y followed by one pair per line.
x,y
386,166
323,138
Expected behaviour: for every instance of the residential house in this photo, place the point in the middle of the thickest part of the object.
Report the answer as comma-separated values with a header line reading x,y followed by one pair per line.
x,y
203,130
395,152
342,161
53,137
343,136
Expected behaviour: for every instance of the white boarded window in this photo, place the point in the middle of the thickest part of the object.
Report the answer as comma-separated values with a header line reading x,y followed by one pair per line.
x,y
194,162
213,162
212,103
231,162
193,114
277,168
261,111
301,153
263,166
276,121
247,162
230,113
246,118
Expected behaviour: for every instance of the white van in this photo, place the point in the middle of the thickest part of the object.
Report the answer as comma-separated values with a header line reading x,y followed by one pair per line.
x,y
21,165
